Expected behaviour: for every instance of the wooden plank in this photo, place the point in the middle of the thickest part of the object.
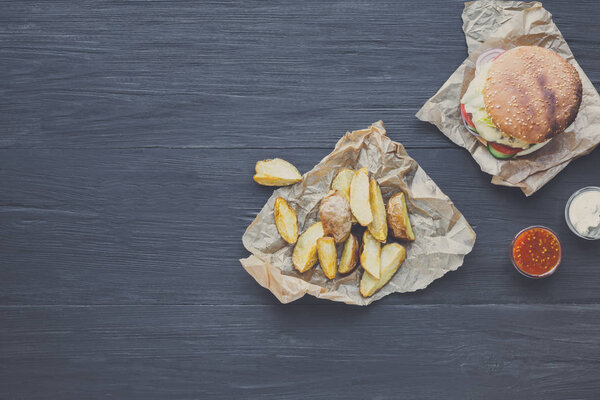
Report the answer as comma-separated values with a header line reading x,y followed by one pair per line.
x,y
300,352
164,226
129,131
243,74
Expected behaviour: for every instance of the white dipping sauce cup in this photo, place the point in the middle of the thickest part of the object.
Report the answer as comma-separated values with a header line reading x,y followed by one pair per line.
x,y
568,207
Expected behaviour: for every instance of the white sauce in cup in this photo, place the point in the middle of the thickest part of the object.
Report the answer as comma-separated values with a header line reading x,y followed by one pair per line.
x,y
583,212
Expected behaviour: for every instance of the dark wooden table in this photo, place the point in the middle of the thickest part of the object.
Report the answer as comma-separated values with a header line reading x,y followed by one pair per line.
x,y
129,133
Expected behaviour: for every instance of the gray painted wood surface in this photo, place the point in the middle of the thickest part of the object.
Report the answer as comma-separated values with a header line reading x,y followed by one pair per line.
x,y
128,136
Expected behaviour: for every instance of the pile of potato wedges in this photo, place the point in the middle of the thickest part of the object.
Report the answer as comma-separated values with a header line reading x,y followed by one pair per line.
x,y
353,205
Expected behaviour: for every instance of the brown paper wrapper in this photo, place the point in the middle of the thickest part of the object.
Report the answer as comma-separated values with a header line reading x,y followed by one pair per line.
x,y
506,24
443,236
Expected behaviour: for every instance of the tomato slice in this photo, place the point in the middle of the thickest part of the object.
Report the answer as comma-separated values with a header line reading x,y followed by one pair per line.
x,y
466,116
504,149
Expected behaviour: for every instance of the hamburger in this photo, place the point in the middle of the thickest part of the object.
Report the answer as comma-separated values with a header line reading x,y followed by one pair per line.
x,y
520,99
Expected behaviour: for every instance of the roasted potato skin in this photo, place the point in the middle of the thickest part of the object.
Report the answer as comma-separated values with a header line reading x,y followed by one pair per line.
x,y
342,182
359,197
392,257
336,216
370,256
397,218
286,220
327,253
349,258
304,256
276,172
378,227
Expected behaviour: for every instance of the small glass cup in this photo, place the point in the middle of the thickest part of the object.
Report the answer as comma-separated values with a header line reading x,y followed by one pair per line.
x,y
550,271
568,206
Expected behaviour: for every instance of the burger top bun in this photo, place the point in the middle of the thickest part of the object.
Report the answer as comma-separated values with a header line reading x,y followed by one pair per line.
x,y
532,93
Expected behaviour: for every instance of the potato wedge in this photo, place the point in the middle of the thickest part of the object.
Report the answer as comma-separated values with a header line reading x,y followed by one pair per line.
x,y
304,256
397,218
276,172
359,197
370,258
342,182
286,220
327,256
378,227
349,258
392,256
336,216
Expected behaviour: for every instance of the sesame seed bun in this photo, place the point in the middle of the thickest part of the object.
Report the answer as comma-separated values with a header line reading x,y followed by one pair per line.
x,y
532,93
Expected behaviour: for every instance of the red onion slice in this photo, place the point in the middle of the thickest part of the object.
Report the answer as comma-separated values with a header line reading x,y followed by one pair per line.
x,y
487,56
471,131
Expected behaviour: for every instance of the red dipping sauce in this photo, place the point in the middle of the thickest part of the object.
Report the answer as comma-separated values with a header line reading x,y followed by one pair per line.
x,y
536,252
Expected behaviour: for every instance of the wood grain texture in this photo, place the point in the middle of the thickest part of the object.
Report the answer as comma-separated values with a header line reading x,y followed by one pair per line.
x,y
163,226
106,74
128,136
413,352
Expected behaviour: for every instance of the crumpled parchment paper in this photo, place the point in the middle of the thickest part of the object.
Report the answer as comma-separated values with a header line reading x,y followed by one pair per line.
x,y
506,24
443,236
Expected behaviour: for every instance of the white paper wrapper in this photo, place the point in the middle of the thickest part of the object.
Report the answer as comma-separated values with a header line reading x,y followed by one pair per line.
x,y
443,236
507,24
